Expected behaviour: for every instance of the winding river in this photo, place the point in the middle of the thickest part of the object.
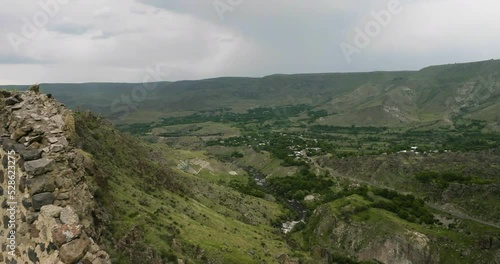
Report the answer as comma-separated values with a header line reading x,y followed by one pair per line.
x,y
295,206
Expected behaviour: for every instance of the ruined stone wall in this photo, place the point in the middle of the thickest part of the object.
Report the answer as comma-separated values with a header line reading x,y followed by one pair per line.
x,y
52,204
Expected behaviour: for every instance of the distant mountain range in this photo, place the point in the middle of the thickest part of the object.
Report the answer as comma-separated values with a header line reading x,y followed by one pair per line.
x,y
433,94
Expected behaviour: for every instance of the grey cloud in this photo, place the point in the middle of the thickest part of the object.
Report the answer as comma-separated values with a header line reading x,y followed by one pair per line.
x,y
203,9
116,38
71,29
104,35
18,59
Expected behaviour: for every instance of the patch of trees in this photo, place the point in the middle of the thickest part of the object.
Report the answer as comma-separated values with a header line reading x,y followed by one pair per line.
x,y
137,129
236,154
329,195
442,179
340,259
317,114
255,115
407,207
348,130
473,141
291,162
469,125
299,186
250,188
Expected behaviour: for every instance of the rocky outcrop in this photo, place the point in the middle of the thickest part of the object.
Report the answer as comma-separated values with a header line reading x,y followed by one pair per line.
x,y
363,241
53,206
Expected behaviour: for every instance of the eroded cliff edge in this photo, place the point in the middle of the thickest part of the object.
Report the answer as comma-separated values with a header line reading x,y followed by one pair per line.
x,y
55,215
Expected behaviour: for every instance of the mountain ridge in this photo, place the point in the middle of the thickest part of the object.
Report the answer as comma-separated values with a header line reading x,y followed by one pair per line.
x,y
395,98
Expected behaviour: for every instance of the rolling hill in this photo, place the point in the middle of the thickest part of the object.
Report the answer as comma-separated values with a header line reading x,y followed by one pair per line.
x,y
433,94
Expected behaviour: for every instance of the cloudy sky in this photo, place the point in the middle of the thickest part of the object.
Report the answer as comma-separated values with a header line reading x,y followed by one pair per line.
x,y
124,40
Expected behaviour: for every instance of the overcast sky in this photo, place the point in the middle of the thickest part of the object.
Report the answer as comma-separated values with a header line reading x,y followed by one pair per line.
x,y
125,40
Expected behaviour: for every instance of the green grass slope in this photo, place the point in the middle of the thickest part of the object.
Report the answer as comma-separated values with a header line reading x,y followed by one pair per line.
x,y
156,214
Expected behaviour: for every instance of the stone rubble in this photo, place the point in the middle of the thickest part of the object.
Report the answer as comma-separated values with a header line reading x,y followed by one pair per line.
x,y
54,213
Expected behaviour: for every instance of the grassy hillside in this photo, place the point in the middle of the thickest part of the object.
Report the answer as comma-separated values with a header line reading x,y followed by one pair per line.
x,y
158,214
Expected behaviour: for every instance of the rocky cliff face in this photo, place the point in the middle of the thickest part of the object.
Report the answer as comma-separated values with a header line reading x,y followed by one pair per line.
x,y
48,212
369,242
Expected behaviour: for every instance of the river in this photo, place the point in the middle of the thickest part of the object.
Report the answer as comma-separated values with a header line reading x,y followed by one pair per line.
x,y
298,209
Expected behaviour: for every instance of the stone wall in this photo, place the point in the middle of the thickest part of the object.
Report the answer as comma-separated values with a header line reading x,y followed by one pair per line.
x,y
54,222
